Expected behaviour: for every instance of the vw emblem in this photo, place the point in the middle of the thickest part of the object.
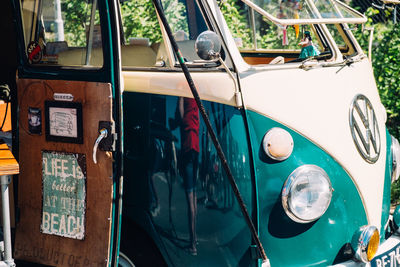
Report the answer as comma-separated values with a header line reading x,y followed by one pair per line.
x,y
364,128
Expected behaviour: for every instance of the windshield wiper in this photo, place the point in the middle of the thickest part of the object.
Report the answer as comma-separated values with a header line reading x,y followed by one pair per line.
x,y
309,63
356,57
348,61
313,61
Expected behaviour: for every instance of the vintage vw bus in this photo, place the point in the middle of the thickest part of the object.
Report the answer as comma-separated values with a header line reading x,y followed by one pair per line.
x,y
134,177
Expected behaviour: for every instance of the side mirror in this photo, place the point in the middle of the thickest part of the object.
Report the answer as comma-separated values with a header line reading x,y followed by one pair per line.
x,y
208,45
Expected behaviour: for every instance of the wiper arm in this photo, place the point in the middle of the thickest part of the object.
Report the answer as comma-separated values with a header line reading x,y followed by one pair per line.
x,y
352,59
309,63
313,61
348,61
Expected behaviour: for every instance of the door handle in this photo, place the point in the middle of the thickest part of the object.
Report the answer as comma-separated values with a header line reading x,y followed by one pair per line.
x,y
103,134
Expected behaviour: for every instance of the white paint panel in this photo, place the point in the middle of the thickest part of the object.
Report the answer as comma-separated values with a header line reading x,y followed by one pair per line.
x,y
212,86
316,104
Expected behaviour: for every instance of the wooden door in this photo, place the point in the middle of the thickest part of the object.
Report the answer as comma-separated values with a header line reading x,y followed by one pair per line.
x,y
64,198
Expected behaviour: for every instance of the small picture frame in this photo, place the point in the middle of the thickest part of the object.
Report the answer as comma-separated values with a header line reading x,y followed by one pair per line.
x,y
64,121
34,120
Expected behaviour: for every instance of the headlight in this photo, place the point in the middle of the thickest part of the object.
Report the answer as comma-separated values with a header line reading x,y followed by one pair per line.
x,y
306,194
395,148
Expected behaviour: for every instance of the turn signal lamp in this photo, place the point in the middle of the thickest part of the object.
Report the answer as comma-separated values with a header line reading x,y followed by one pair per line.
x,y
278,144
373,245
365,243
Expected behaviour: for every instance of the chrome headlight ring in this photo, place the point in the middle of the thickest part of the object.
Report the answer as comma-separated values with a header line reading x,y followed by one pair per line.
x,y
306,194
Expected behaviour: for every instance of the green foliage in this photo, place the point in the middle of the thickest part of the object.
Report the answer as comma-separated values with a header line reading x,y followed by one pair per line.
x,y
236,19
176,15
75,15
140,20
272,36
386,64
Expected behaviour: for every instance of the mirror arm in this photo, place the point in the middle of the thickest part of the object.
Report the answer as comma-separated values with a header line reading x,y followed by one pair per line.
x,y
238,96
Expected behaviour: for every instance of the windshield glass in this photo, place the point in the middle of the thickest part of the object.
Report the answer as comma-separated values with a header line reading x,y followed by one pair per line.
x,y
290,12
143,44
261,41
186,22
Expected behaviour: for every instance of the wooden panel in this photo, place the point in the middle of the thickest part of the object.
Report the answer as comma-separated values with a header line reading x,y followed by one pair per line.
x,y
8,164
262,60
31,244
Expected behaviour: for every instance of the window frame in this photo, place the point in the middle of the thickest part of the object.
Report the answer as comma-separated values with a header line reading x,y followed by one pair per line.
x,y
104,26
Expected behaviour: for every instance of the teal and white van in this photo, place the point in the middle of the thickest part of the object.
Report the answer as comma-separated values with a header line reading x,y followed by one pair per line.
x,y
121,168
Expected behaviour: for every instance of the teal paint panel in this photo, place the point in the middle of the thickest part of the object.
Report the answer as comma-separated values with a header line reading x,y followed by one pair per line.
x,y
386,188
155,183
64,194
286,242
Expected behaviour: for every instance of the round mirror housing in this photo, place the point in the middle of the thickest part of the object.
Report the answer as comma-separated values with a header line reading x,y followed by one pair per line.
x,y
208,45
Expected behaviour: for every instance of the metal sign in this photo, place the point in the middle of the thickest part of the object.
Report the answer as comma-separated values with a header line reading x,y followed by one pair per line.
x,y
64,194
364,128
63,97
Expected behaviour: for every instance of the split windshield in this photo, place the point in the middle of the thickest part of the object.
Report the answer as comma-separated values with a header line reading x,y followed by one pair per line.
x,y
284,31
